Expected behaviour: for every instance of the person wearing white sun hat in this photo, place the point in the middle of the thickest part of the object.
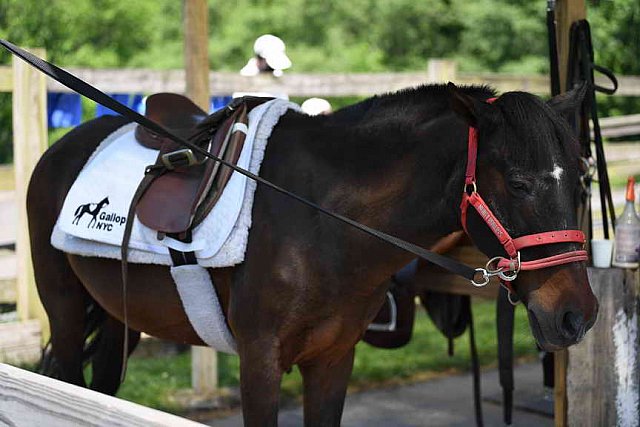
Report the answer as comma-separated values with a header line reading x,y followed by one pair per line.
x,y
270,57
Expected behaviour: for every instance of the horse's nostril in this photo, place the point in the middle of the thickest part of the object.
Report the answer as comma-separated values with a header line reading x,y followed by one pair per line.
x,y
572,325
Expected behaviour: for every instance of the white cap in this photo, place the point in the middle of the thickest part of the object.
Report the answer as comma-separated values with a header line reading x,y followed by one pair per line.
x,y
316,106
272,48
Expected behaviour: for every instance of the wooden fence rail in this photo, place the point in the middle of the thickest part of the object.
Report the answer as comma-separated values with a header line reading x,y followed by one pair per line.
x,y
28,399
298,84
614,127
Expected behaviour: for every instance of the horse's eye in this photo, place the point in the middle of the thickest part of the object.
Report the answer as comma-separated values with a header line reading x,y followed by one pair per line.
x,y
520,187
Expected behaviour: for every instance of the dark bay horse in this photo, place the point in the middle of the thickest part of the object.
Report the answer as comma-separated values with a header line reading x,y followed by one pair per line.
x,y
309,285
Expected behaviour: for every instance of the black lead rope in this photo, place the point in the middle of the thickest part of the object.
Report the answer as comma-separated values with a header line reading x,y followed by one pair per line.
x,y
475,368
85,89
504,319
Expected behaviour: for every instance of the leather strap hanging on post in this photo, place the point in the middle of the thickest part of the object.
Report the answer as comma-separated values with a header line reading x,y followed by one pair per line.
x,y
554,69
504,318
581,68
475,367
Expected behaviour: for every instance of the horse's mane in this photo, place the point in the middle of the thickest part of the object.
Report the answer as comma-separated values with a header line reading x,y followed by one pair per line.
x,y
435,97
374,128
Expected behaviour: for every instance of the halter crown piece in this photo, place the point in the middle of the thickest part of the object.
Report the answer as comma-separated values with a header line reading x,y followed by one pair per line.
x,y
508,268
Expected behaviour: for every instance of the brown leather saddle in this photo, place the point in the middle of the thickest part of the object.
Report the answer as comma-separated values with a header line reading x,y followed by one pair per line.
x,y
181,196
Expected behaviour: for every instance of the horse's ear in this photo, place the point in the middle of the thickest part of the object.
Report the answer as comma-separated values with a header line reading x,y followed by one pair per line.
x,y
567,104
468,107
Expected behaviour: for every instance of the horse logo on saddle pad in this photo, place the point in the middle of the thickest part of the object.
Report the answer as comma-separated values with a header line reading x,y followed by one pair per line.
x,y
104,221
92,209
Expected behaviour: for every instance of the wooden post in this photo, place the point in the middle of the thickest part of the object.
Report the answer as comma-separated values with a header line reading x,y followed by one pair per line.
x,y
567,12
196,51
441,70
604,369
29,142
204,362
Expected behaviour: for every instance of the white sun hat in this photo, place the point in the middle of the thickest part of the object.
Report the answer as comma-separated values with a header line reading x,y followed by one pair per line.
x,y
272,48
316,106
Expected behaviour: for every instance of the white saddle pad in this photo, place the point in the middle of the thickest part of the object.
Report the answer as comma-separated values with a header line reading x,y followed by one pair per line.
x,y
93,216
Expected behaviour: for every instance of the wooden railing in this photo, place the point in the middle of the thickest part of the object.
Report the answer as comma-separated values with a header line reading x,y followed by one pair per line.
x,y
300,84
29,399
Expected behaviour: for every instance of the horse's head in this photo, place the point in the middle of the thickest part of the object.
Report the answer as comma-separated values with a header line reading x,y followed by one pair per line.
x,y
528,174
105,201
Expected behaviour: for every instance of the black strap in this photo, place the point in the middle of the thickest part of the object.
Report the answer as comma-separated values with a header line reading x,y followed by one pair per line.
x,y
182,258
554,69
96,95
151,174
475,368
581,68
504,319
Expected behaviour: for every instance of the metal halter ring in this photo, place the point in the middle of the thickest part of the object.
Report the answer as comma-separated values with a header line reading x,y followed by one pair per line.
x,y
465,189
511,275
485,278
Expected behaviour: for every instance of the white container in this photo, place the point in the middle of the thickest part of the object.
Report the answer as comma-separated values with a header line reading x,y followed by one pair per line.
x,y
601,252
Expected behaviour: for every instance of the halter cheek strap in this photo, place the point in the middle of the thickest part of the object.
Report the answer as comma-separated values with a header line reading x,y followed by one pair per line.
x,y
508,268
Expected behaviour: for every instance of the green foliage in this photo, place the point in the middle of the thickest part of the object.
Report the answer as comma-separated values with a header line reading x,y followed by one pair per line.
x,y
6,129
321,35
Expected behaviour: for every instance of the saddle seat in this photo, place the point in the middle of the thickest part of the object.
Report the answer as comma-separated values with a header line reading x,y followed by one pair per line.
x,y
178,199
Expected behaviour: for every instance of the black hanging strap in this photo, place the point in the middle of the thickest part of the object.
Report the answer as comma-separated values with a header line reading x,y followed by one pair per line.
x,y
504,319
554,69
581,68
475,369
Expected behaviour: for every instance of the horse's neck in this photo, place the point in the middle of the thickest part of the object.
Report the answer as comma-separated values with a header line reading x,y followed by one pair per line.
x,y
414,189
411,190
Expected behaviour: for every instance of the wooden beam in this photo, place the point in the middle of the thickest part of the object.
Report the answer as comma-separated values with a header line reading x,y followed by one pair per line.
x,y
196,51
441,71
6,79
560,388
604,369
30,399
311,84
29,142
20,342
204,360
567,12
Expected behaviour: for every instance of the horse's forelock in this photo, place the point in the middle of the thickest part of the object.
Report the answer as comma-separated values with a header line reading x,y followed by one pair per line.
x,y
539,131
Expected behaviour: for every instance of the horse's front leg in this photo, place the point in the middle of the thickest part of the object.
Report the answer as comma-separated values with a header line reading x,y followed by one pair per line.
x,y
325,387
260,376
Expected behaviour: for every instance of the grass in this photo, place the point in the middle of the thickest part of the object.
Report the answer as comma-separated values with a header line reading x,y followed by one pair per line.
x,y
156,382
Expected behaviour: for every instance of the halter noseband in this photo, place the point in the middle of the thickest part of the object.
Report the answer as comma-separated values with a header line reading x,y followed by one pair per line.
x,y
508,268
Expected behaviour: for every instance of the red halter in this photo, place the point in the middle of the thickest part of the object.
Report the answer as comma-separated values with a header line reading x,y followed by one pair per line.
x,y
507,268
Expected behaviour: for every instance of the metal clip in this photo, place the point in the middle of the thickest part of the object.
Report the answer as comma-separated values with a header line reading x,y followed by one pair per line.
x,y
179,158
485,278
